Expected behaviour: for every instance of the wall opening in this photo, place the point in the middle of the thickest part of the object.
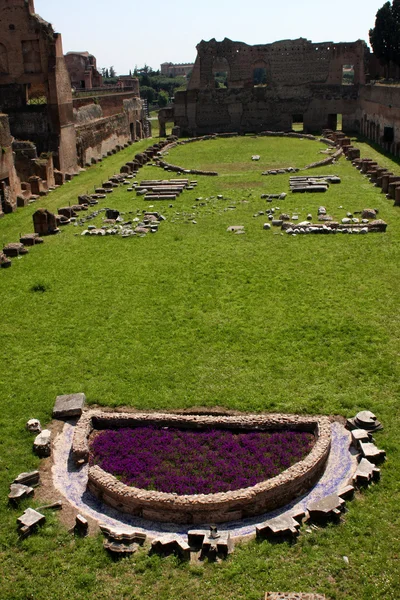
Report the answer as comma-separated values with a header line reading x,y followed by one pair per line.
x,y
259,77
36,93
335,122
298,122
388,135
220,72
348,75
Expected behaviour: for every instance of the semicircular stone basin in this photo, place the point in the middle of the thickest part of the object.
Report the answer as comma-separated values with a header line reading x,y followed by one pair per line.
x,y
253,487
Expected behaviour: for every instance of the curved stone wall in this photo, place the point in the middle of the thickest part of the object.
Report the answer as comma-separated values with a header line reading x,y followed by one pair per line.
x,y
203,508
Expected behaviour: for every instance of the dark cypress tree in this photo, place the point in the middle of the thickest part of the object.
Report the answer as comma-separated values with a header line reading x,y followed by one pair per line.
x,y
385,36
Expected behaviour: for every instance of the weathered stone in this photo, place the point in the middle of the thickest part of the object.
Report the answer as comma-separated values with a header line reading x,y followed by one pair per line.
x,y
19,492
170,544
368,213
220,546
235,228
281,527
347,493
366,473
4,261
29,521
28,479
34,426
81,528
12,250
69,406
123,534
44,222
359,435
364,420
372,453
119,548
42,443
326,509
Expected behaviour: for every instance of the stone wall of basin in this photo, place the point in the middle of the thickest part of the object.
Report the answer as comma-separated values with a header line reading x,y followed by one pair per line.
x,y
204,508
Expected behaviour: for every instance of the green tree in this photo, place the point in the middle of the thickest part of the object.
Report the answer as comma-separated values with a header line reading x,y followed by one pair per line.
x,y
163,99
385,36
112,72
148,93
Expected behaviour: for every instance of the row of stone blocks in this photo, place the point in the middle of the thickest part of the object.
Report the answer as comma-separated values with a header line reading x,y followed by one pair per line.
x,y
14,250
380,177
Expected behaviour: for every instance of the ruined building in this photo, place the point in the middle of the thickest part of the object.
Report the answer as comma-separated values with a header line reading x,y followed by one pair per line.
x,y
170,69
235,87
82,69
51,133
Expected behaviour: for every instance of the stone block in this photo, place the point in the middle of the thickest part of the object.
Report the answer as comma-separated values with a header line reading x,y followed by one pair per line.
x,y
123,534
69,406
19,492
170,544
29,521
281,527
13,250
28,479
42,443
366,473
372,453
81,526
119,548
364,420
329,508
359,435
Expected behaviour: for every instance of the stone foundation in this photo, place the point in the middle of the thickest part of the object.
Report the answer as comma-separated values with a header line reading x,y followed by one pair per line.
x,y
218,508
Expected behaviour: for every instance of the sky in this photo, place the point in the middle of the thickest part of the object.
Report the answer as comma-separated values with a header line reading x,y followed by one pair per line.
x,y
122,33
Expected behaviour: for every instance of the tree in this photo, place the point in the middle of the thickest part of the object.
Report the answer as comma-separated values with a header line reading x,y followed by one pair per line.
x,y
163,99
385,36
112,72
148,93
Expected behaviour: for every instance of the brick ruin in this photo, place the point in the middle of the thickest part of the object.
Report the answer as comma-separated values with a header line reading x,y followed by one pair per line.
x,y
51,133
268,87
82,69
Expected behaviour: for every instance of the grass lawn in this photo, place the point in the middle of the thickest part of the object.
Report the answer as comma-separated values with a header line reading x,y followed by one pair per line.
x,y
195,316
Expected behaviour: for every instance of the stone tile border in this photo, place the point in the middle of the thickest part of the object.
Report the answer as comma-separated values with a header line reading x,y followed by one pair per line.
x,y
218,508
71,482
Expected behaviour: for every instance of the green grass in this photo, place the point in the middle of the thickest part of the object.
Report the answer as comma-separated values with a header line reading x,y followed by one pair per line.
x,y
194,316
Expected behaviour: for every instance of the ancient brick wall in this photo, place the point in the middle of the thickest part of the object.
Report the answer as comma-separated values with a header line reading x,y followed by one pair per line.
x,y
379,116
31,58
10,185
298,79
106,121
82,70
96,138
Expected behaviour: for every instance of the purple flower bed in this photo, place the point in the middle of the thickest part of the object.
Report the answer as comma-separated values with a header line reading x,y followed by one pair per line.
x,y
184,461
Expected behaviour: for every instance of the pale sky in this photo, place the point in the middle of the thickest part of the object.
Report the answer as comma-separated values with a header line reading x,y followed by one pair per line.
x,y
123,33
